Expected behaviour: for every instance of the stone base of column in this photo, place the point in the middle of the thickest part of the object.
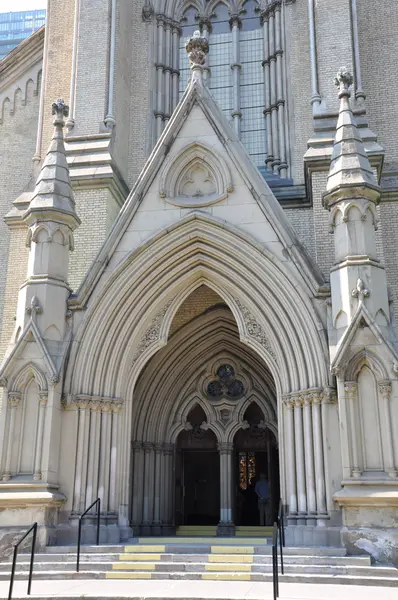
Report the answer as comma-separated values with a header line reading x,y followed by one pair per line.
x,y
156,529
225,530
312,536
168,530
146,529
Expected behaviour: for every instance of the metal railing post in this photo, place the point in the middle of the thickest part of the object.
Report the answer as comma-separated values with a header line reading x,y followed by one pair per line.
x,y
96,502
32,557
275,577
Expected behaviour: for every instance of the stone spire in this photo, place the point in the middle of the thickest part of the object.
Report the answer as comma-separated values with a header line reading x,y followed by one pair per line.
x,y
357,278
350,165
197,47
53,192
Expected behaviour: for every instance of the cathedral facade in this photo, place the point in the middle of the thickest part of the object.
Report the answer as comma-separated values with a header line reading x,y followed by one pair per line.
x,y
199,281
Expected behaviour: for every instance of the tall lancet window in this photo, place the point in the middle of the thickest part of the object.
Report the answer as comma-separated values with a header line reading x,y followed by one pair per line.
x,y
236,73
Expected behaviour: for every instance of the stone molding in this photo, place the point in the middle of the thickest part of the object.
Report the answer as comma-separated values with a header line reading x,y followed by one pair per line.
x,y
180,170
104,404
310,397
152,334
254,329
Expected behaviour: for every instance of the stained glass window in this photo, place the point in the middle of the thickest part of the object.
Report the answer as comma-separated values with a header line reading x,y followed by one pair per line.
x,y
226,384
247,469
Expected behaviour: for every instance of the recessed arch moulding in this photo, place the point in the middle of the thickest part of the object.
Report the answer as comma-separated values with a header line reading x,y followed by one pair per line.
x,y
129,322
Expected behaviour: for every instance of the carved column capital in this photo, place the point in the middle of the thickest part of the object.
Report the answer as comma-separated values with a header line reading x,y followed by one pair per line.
x,y
350,389
14,399
168,449
43,397
136,446
147,446
385,389
158,448
225,447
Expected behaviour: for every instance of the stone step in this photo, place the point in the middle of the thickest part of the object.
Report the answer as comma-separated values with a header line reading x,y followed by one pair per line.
x,y
184,548
215,576
164,566
199,558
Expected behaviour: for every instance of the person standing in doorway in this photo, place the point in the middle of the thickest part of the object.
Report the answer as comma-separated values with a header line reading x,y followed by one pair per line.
x,y
262,491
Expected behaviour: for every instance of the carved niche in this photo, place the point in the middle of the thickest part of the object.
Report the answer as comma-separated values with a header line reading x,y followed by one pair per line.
x,y
195,177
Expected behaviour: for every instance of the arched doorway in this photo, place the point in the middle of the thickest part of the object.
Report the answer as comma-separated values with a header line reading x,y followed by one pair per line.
x,y
197,473
200,403
256,453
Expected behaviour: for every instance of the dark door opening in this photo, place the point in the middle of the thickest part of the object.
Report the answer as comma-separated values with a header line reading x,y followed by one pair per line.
x,y
256,452
201,487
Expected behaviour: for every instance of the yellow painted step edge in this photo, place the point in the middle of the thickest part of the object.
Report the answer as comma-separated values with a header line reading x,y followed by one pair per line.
x,y
125,566
219,558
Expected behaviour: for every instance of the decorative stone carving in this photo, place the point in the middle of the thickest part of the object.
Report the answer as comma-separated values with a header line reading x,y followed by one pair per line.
x,y
14,399
147,12
197,47
60,110
34,308
360,291
385,389
151,335
98,403
254,329
343,79
195,177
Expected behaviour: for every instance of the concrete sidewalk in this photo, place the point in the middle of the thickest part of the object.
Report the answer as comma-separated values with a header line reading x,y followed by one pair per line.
x,y
198,590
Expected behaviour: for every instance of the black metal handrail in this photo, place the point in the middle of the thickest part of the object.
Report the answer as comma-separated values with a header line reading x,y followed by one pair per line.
x,y
275,576
32,556
98,503
281,530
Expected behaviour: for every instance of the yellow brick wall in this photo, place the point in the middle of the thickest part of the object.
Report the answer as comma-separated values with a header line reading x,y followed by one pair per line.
x,y
197,303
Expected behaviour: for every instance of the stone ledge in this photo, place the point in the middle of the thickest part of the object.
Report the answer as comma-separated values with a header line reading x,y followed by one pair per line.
x,y
367,494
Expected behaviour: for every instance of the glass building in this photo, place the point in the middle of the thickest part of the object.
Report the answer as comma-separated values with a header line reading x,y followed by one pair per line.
x,y
16,26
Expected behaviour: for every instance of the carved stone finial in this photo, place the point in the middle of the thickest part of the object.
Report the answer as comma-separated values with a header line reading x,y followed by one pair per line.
x,y
344,81
360,291
60,110
197,47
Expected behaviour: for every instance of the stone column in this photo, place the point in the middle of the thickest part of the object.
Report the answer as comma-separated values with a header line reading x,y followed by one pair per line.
x,y
309,455
280,102
104,467
176,70
267,87
167,72
351,394
81,454
388,446
138,486
300,464
157,522
40,432
236,23
167,488
290,457
93,452
225,526
115,408
318,454
148,488
159,113
14,399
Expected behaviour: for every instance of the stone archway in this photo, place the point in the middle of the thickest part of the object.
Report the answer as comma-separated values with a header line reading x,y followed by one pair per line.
x,y
204,382
128,325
